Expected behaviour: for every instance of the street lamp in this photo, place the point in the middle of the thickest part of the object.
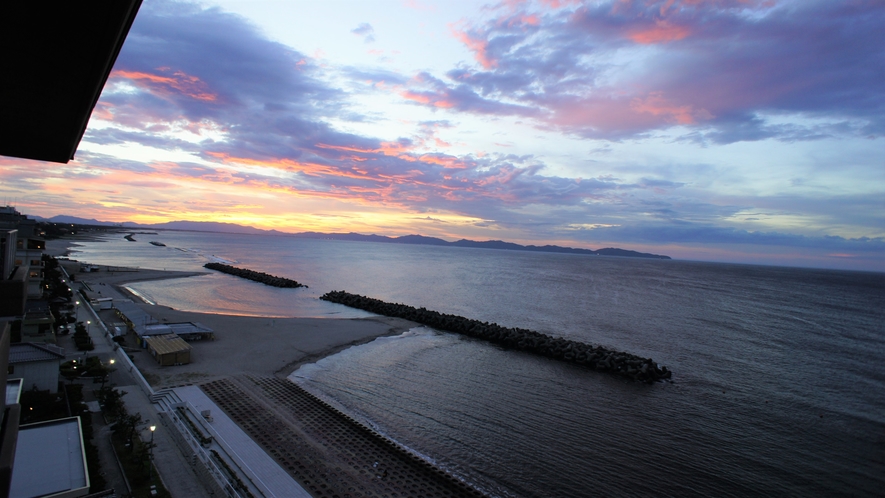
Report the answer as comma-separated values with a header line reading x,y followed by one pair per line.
x,y
151,457
105,372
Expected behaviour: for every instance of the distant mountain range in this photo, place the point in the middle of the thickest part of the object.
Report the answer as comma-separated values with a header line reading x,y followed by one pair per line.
x,y
209,226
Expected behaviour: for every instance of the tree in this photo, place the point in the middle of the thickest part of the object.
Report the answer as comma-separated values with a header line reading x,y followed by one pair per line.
x,y
111,401
128,426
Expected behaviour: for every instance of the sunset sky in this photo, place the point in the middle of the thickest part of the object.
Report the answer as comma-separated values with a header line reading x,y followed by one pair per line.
x,y
723,130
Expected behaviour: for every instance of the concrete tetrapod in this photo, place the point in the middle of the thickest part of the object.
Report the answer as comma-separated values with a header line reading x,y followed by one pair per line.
x,y
598,358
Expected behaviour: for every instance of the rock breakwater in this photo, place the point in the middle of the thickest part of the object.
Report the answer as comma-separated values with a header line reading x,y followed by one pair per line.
x,y
595,357
255,276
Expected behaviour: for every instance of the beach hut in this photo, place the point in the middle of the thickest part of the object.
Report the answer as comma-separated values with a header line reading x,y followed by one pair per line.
x,y
169,349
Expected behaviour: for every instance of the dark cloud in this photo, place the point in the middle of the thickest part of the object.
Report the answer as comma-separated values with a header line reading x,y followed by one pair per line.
x,y
621,69
262,112
696,233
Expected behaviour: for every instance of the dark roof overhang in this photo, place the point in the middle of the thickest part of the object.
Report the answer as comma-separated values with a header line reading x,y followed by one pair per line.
x,y
55,58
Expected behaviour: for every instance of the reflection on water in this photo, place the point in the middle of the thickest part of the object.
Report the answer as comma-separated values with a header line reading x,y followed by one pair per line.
x,y
778,371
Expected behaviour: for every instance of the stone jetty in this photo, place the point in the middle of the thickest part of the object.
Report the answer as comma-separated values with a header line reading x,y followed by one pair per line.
x,y
595,357
255,276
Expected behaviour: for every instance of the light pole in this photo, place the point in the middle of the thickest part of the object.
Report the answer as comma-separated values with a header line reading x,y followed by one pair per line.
x,y
151,455
104,376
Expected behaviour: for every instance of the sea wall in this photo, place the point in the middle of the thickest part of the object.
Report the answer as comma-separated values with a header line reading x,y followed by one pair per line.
x,y
256,276
595,357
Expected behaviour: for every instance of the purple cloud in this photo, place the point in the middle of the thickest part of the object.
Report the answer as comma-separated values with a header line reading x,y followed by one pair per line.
x,y
260,111
366,31
621,69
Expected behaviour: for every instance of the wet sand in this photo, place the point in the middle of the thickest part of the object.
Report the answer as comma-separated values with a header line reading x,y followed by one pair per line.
x,y
325,451
260,346
242,344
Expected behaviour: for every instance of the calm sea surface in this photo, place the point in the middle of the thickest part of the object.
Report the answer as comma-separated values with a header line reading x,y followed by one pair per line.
x,y
779,372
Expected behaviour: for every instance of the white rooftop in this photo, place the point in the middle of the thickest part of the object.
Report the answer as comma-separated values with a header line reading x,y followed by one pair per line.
x,y
49,459
13,391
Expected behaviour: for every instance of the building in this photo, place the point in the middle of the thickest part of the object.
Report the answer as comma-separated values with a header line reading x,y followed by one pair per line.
x,y
56,60
135,318
29,254
36,364
37,324
13,279
9,417
189,331
8,240
29,247
14,293
50,460
169,349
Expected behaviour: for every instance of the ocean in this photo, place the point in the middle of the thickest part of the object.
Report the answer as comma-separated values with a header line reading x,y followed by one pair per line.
x,y
778,373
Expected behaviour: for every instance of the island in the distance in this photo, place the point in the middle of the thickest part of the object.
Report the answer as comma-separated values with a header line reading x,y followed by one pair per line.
x,y
206,226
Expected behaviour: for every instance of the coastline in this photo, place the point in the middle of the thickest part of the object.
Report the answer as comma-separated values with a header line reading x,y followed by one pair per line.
x,y
243,345
251,352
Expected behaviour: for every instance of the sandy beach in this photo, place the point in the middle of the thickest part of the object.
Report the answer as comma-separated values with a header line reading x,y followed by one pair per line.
x,y
262,346
243,344
293,428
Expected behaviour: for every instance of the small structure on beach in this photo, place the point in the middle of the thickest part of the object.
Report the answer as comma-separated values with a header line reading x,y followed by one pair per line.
x,y
189,331
135,318
169,349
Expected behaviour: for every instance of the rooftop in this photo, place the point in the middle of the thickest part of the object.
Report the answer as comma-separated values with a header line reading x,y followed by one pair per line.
x,y
166,344
139,318
180,328
24,352
49,459
56,59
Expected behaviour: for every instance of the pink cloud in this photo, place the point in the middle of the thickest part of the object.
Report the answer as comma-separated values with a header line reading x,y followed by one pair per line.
x,y
558,4
660,32
427,98
180,82
656,105
477,45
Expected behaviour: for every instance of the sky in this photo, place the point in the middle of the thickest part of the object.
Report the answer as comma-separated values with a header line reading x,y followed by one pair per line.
x,y
746,131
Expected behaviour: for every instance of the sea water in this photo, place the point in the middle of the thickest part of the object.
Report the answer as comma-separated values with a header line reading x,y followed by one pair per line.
x,y
779,373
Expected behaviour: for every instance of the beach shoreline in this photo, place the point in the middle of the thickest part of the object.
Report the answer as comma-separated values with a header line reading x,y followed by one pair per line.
x,y
244,344
250,351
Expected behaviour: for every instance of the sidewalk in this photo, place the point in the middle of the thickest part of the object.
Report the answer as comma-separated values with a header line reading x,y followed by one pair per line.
x,y
173,469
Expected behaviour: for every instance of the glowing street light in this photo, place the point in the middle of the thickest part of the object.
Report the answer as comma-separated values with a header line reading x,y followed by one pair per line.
x,y
151,457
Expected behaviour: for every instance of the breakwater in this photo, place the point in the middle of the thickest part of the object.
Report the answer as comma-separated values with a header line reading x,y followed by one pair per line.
x,y
255,276
595,357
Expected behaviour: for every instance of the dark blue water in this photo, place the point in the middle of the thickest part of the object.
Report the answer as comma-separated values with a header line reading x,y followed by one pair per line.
x,y
779,372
